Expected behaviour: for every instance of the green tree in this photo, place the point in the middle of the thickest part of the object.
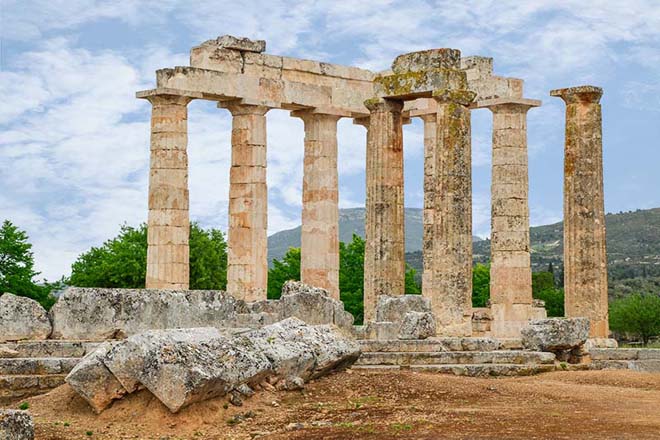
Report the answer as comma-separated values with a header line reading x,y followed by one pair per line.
x,y
17,266
351,277
411,286
122,261
554,300
480,285
282,271
638,315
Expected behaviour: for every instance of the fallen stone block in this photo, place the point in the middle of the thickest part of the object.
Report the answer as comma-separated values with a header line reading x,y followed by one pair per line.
x,y
127,359
22,318
313,305
101,314
394,308
94,382
563,336
16,425
417,325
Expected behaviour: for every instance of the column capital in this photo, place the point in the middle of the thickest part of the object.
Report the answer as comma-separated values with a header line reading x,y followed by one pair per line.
x,y
383,104
461,97
363,121
237,108
579,94
508,105
168,99
317,113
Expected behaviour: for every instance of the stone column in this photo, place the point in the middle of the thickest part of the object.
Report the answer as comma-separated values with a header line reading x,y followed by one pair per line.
x,y
585,258
168,224
319,254
428,218
247,240
384,264
451,296
510,265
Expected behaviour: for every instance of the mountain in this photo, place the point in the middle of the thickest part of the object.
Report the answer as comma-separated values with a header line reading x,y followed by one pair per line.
x,y
633,250
350,221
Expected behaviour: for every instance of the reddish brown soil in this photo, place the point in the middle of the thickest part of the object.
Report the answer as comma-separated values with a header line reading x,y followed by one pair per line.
x,y
384,405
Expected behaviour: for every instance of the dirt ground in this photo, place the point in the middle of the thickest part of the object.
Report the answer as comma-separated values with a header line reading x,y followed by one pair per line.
x,y
383,405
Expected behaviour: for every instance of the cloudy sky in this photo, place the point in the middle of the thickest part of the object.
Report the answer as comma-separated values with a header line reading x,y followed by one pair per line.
x,y
74,141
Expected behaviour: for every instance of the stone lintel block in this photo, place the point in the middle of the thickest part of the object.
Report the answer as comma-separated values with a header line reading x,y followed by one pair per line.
x,y
483,65
237,43
217,58
579,94
454,96
411,85
424,60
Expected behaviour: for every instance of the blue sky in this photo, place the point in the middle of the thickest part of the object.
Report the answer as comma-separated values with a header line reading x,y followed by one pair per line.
x,y
74,141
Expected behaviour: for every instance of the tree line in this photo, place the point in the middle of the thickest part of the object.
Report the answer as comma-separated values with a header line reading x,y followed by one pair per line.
x,y
121,262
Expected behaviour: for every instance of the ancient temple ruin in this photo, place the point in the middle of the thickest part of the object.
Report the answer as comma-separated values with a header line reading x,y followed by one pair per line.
x,y
439,86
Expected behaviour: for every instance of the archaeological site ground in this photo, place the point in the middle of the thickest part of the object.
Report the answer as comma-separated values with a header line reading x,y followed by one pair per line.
x,y
169,362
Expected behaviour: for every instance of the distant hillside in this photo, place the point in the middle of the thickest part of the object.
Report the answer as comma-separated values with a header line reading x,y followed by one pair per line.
x,y
633,250
350,221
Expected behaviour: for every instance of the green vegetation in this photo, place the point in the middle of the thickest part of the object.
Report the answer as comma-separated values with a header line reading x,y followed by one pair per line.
x,y
122,261
24,406
17,267
480,285
636,315
351,275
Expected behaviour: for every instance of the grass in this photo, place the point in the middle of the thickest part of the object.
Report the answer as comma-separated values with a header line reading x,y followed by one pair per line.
x,y
24,406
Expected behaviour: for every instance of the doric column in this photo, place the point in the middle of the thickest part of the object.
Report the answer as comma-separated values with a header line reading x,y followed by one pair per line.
x,y
384,264
585,258
319,255
430,132
247,240
451,296
510,265
168,224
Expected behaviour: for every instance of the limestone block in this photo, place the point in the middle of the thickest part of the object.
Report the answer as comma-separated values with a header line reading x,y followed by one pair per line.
x,y
16,425
99,314
238,43
426,60
126,359
22,318
417,325
94,382
395,308
556,334
312,305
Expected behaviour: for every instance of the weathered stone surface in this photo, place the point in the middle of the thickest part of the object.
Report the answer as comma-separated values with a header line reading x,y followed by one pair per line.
x,y
99,314
427,59
395,308
313,305
16,425
555,334
8,353
417,325
382,330
128,358
585,258
22,318
182,372
239,43
94,382
183,366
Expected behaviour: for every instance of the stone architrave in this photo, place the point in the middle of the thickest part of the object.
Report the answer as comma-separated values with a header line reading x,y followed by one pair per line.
x,y
168,225
428,217
247,238
319,252
451,294
585,259
384,264
510,265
